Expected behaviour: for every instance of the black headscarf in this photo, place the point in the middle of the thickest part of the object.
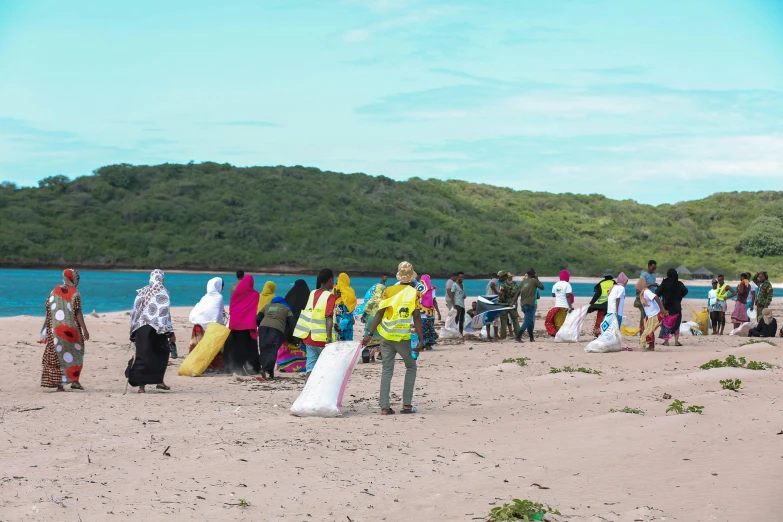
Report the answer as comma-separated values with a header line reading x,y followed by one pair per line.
x,y
297,297
670,290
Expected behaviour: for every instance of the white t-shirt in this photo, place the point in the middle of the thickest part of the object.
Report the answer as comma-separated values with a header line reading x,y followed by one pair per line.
x,y
653,308
712,301
561,289
754,289
617,292
449,283
489,290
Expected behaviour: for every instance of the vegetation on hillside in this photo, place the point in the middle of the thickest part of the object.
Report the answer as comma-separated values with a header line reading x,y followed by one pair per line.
x,y
216,216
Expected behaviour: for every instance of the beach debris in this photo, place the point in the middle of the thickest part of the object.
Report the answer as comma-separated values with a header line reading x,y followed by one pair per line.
x,y
166,452
231,411
35,509
539,486
475,453
666,396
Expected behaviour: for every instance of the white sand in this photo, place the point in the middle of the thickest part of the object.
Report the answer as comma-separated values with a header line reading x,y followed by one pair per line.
x,y
484,433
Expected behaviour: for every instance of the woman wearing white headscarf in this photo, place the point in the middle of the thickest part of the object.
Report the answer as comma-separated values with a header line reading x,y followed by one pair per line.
x,y
152,331
208,310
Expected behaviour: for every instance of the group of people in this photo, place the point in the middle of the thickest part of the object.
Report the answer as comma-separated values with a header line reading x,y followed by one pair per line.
x,y
289,333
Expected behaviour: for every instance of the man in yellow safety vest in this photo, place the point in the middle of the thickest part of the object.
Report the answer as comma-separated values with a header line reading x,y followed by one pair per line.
x,y
315,322
600,299
397,312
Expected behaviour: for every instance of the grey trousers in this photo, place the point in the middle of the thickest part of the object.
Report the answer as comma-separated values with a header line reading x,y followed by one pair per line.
x,y
389,350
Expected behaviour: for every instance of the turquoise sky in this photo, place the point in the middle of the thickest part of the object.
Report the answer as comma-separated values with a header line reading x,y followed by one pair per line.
x,y
659,101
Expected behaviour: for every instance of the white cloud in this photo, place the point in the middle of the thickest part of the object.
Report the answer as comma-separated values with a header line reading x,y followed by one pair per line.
x,y
356,35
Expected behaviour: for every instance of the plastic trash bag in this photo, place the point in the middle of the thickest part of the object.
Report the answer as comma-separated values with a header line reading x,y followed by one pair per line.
x,y
572,327
610,339
450,330
743,329
323,394
631,331
205,351
690,328
752,315
703,320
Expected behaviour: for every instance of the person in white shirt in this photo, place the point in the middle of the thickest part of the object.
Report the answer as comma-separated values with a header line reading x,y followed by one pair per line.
x,y
713,306
492,287
616,298
450,291
564,304
654,312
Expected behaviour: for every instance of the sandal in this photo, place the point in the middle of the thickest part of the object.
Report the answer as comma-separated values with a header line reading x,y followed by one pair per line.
x,y
678,344
387,411
408,410
162,387
76,386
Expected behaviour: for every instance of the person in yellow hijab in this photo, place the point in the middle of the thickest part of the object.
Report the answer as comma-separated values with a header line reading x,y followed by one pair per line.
x,y
344,307
267,294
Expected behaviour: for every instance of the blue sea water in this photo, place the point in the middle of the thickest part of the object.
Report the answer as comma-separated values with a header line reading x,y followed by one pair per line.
x,y
24,291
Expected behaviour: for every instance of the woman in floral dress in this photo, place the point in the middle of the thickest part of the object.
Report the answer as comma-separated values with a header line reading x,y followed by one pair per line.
x,y
65,335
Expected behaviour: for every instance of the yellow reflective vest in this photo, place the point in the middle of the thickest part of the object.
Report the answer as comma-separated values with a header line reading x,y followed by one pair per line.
x,y
606,285
312,320
398,326
723,292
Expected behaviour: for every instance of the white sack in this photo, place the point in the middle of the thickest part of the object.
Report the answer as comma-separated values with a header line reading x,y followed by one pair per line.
x,y
323,394
572,327
450,330
610,339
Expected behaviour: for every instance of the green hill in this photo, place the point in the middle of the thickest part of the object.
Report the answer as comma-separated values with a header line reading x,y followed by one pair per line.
x,y
216,216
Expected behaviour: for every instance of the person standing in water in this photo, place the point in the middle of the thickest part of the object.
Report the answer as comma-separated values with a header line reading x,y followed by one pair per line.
x,y
397,312
65,334
316,322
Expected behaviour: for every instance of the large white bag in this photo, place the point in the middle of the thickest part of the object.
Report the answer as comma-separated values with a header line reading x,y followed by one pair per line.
x,y
610,339
450,330
323,394
572,327
743,329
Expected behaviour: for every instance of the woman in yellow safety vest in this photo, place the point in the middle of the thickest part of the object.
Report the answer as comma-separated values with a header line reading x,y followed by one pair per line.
x,y
724,293
315,322
397,313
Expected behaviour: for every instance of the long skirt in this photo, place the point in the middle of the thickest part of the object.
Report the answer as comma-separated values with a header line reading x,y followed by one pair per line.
x,y
670,326
196,335
599,318
428,331
51,376
291,358
149,364
269,341
240,349
740,314
649,326
554,320
344,324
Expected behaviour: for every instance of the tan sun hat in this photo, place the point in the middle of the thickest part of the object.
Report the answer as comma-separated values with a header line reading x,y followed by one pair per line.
x,y
405,273
502,273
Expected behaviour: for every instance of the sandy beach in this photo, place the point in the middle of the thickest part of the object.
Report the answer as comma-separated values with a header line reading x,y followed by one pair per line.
x,y
485,433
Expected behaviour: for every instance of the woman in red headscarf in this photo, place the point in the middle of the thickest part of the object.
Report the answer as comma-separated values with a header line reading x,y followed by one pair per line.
x,y
240,353
65,335
564,303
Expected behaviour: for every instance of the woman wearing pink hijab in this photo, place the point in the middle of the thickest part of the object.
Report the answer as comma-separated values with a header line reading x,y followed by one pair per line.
x,y
564,303
241,348
428,307
616,302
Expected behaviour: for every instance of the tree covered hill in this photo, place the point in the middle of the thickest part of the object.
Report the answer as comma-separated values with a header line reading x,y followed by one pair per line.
x,y
216,216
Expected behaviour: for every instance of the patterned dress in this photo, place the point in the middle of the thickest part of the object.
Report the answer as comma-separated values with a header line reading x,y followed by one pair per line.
x,y
64,354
